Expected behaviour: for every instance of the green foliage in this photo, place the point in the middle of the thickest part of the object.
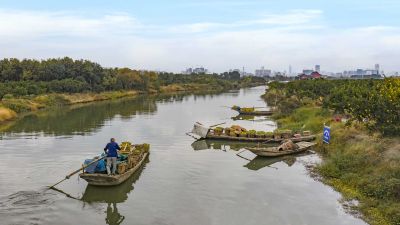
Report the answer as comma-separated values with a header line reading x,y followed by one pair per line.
x,y
65,75
376,103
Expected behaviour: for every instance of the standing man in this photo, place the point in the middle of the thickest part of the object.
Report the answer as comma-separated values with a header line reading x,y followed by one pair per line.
x,y
111,151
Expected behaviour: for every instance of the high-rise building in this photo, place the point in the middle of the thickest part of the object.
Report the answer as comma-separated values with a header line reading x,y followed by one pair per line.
x,y
318,68
199,70
263,72
377,68
290,69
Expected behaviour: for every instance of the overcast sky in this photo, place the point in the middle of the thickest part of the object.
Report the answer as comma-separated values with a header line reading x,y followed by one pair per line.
x,y
219,35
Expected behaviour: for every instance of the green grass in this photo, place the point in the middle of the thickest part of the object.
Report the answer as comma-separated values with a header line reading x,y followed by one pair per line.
x,y
359,164
304,118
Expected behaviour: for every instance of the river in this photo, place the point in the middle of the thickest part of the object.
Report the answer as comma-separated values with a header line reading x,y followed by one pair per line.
x,y
182,183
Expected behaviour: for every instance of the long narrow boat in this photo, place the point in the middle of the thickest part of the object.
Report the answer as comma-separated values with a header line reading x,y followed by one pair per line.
x,y
255,139
205,132
101,179
275,151
253,113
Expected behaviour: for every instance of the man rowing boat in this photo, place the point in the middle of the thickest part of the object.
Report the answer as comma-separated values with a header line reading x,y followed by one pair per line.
x,y
112,154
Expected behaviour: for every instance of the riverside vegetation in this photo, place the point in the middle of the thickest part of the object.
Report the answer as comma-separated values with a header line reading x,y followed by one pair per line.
x,y
362,160
28,85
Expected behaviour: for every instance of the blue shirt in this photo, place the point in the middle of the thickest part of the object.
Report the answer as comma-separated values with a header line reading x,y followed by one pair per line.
x,y
112,148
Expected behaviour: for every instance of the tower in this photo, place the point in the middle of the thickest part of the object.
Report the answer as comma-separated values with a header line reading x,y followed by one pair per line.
x,y
377,68
318,68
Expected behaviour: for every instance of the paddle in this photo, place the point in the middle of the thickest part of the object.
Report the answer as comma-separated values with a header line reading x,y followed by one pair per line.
x,y
76,171
217,124
188,134
241,152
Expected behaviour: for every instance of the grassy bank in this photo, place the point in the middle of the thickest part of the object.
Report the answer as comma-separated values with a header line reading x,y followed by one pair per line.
x,y
360,163
12,107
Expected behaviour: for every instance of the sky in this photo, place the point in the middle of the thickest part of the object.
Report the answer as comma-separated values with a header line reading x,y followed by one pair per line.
x,y
219,35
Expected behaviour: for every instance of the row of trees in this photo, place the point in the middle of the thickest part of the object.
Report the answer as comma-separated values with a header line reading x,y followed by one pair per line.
x,y
374,102
65,75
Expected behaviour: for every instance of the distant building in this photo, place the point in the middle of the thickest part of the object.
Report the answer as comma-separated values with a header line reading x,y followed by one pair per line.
x,y
371,76
199,70
339,74
263,72
377,68
315,75
307,71
318,68
364,73
311,76
188,71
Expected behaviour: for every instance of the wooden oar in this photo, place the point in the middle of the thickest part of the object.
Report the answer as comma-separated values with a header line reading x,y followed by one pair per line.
x,y
217,124
188,134
76,171
241,151
64,193
238,154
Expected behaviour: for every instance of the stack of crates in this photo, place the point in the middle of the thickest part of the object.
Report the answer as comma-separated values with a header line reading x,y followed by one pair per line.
x,y
125,147
122,167
134,154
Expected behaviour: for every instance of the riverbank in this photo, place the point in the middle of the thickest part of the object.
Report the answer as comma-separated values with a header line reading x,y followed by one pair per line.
x,y
361,164
11,108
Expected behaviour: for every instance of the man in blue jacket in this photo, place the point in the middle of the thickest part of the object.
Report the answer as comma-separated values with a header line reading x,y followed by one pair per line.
x,y
112,153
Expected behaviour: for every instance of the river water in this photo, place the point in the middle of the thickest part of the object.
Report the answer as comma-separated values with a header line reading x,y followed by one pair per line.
x,y
183,182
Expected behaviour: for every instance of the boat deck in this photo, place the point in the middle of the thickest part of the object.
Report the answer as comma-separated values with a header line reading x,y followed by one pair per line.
x,y
247,139
274,152
100,179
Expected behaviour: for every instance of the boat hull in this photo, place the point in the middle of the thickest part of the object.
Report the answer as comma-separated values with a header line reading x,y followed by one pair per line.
x,y
105,180
247,139
256,113
273,151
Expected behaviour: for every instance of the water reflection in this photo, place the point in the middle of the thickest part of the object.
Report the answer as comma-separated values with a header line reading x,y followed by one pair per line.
x,y
205,144
261,162
255,163
112,196
81,119
88,118
243,117
251,118
113,216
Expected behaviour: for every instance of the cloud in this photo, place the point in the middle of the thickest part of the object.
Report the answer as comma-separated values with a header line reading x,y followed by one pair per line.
x,y
298,37
31,24
290,18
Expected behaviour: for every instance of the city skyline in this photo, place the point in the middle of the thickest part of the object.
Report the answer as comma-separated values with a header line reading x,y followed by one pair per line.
x,y
265,71
338,35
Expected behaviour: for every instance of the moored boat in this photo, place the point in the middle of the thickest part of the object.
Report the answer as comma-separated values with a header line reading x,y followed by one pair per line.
x,y
277,151
237,133
256,139
132,159
251,111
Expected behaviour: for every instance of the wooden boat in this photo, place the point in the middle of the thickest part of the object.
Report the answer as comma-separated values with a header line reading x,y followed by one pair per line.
x,y
205,144
254,113
101,179
274,151
255,139
114,194
204,132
